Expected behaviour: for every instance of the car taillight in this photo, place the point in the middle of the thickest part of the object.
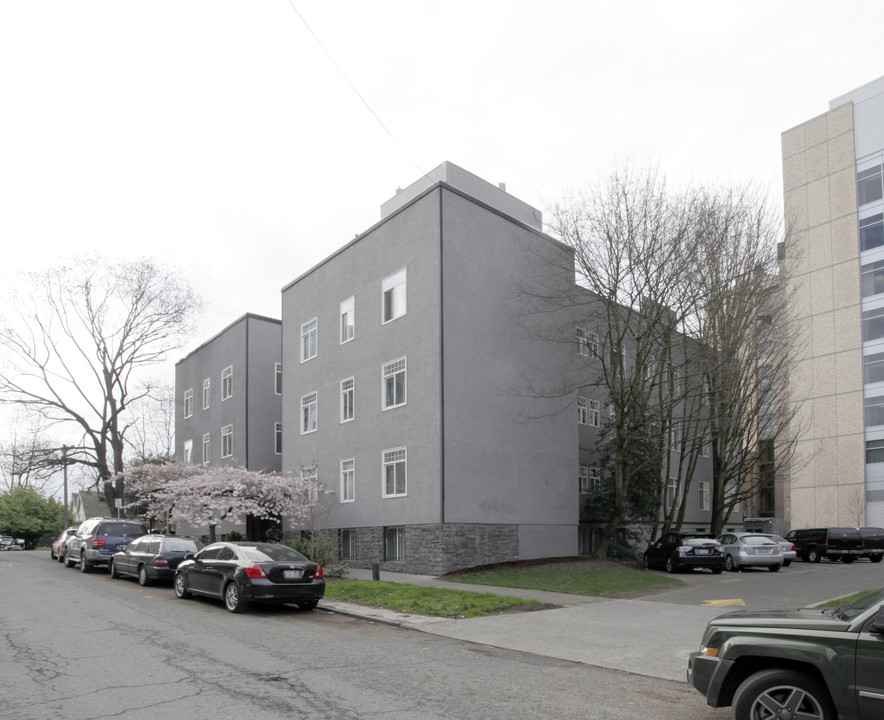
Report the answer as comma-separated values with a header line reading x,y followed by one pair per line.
x,y
160,562
98,542
255,571
318,573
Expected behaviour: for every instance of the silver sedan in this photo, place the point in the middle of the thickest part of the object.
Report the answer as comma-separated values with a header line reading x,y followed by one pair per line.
x,y
750,550
788,547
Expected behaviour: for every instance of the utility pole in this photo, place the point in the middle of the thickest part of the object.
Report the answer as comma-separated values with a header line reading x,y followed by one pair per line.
x,y
64,460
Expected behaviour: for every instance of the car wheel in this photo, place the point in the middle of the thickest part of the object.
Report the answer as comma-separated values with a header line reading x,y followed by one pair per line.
x,y
729,563
143,579
112,569
774,568
776,693
813,555
308,604
232,599
875,558
787,563
717,570
670,565
85,566
847,559
181,586
69,562
52,555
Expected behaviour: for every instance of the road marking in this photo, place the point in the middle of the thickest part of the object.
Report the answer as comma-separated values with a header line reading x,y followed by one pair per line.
x,y
722,603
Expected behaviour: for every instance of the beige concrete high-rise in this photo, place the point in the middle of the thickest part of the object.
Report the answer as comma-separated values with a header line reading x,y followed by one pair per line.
x,y
834,201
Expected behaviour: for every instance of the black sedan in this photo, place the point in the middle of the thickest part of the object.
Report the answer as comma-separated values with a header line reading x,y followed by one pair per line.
x,y
685,551
241,573
153,557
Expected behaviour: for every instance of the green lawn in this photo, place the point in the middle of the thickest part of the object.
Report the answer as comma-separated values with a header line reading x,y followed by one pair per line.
x,y
577,577
418,600
846,600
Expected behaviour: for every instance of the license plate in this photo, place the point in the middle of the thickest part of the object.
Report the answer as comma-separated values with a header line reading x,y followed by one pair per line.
x,y
702,551
765,551
292,574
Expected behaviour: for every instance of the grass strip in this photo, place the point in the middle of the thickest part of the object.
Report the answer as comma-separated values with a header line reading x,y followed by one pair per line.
x,y
419,600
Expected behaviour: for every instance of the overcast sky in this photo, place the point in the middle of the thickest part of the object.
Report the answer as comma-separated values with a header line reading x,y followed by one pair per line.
x,y
221,137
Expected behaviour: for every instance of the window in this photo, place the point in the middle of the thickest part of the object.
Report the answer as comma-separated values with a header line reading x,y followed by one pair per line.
x,y
277,378
583,480
227,383
705,447
188,403
394,544
582,411
874,451
873,368
873,324
582,343
394,384
348,320
872,278
227,441
348,480
394,472
310,475
308,339
874,411
671,493
704,487
595,479
277,438
869,185
207,393
188,451
675,439
348,544
308,413
592,342
394,296
615,356
347,400
871,232
595,413
207,447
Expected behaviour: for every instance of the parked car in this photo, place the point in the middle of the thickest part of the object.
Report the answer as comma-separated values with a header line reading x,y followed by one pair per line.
x,y
15,546
807,663
685,551
153,557
6,540
787,546
241,573
873,543
750,550
836,543
56,552
97,539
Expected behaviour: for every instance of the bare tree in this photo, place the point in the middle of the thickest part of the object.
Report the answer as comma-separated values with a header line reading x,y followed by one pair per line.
x,y
81,335
152,430
28,459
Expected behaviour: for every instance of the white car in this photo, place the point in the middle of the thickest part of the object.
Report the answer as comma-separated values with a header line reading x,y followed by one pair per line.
x,y
750,550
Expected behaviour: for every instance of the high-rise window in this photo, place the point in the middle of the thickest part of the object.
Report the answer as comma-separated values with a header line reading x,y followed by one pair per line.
x,y
348,320
583,480
704,488
277,438
227,382
188,402
347,408
394,472
873,324
207,448
207,393
188,451
871,232
393,384
348,480
308,413
227,441
595,413
582,343
277,378
393,296
868,185
582,411
872,278
309,345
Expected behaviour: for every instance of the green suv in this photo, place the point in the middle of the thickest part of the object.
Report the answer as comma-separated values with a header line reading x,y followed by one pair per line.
x,y
807,664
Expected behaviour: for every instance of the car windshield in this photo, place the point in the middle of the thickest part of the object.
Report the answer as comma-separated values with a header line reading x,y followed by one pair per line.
x,y
756,540
855,609
181,545
271,553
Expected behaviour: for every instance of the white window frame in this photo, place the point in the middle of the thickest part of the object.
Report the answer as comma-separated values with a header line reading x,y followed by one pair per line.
x,y
309,412
277,378
188,451
348,395
348,319
348,480
582,343
704,487
227,383
207,393
277,438
393,296
188,402
592,341
310,475
394,460
227,441
207,448
389,373
671,497
595,413
595,478
583,480
582,410
310,339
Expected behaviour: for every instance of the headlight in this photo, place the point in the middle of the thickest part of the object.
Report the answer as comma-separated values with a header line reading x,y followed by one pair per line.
x,y
710,651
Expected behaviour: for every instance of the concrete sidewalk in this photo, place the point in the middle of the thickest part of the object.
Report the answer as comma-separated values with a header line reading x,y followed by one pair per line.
x,y
636,636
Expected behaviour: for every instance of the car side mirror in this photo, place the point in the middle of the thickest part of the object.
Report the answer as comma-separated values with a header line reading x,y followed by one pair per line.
x,y
190,556
877,626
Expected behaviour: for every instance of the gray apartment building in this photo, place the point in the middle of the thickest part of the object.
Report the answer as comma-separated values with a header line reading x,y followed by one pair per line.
x,y
834,204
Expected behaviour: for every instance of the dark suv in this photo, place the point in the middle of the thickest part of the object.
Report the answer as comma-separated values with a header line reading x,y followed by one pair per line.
x,y
807,663
97,539
836,543
873,543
